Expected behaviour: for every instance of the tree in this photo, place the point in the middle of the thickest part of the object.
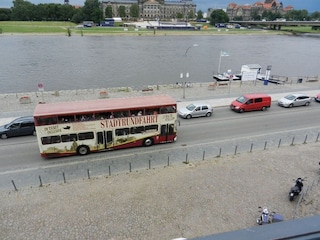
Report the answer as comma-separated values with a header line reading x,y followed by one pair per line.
x,y
297,15
22,10
315,16
191,14
5,14
179,15
91,10
255,15
122,11
108,12
199,15
218,16
134,11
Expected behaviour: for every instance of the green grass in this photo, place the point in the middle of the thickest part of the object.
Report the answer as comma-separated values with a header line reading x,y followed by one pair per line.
x,y
35,27
24,27
299,29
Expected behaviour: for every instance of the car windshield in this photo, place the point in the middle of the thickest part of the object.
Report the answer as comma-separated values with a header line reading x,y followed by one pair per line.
x,y
290,97
190,107
241,99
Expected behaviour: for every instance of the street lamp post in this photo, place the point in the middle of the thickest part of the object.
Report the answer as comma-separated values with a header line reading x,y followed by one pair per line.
x,y
184,84
187,74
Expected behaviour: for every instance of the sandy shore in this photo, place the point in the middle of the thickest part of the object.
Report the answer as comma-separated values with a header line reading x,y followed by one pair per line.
x,y
186,200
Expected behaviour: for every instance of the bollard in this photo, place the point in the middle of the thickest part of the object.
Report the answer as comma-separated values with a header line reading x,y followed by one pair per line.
x,y
64,178
130,167
265,145
88,172
186,161
251,147
40,181
149,163
279,143
235,150
15,188
168,164
292,141
219,155
305,140
109,170
317,137
204,153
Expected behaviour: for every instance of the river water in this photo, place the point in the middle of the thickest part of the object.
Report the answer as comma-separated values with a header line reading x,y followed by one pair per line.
x,y
64,63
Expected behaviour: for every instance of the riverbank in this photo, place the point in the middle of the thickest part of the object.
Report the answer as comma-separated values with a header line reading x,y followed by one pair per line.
x,y
69,29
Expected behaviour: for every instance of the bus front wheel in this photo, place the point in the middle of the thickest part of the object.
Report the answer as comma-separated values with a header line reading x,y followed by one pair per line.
x,y
83,150
147,142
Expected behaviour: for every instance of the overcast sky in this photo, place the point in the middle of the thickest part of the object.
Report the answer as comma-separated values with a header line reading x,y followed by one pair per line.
x,y
310,5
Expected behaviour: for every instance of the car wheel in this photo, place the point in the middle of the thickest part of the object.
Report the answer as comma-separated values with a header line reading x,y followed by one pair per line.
x,y
208,114
147,142
34,133
307,103
264,108
4,136
241,110
188,116
83,150
291,105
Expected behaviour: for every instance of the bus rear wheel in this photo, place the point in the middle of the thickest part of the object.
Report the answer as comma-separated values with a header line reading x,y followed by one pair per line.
x,y
83,150
147,142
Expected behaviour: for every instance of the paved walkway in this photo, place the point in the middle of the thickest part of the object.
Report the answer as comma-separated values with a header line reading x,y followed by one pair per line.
x,y
216,95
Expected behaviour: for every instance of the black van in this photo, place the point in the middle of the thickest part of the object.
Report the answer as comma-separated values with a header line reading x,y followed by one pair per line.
x,y
19,127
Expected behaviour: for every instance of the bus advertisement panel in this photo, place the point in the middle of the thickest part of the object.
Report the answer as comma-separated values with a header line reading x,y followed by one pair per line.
x,y
69,128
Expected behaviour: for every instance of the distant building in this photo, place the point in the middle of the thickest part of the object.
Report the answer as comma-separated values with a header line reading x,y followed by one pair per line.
x,y
246,11
153,9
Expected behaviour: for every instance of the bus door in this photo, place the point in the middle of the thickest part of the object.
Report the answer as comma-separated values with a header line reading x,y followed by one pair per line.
x,y
167,133
105,140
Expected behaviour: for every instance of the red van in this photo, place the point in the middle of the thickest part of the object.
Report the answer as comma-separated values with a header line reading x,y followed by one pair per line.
x,y
251,102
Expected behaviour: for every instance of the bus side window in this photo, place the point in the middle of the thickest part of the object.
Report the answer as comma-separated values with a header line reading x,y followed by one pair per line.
x,y
122,131
68,137
121,114
65,119
86,135
151,128
47,121
55,139
46,140
135,130
152,111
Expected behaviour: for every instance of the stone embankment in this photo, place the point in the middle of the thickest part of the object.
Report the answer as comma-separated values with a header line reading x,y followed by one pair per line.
x,y
18,104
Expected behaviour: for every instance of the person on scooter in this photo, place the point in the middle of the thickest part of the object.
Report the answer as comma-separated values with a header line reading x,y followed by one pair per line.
x,y
299,183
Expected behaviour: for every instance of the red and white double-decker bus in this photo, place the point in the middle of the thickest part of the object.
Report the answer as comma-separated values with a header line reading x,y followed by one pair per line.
x,y
81,127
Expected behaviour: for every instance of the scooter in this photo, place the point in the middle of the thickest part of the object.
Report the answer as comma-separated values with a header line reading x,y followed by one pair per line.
x,y
296,190
267,218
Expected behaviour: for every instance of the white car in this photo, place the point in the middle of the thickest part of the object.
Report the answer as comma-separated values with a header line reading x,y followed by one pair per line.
x,y
294,100
195,110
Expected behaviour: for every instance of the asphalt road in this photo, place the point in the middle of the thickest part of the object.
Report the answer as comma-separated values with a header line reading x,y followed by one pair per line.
x,y
197,138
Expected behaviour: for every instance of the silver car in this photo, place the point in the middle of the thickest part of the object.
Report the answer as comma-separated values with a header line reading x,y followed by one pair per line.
x,y
196,110
294,100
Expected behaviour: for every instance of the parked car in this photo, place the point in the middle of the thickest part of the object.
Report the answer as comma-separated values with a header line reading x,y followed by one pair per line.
x,y
19,127
251,102
294,100
317,97
196,110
